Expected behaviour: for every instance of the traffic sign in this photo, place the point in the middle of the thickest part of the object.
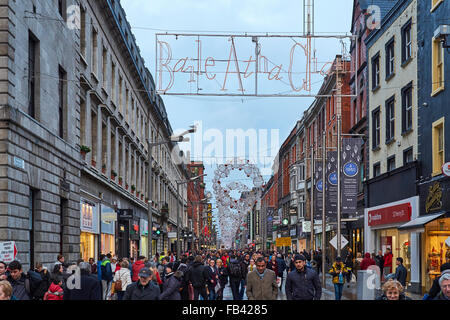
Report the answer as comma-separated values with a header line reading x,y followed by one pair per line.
x,y
333,242
8,251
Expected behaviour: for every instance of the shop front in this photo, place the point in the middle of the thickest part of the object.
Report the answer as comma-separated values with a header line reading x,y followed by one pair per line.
x,y
108,230
383,231
89,227
135,238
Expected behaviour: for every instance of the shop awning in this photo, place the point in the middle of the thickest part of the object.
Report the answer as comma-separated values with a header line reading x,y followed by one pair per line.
x,y
418,224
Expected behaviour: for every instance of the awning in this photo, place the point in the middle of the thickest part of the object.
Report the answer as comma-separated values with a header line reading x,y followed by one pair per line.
x,y
417,225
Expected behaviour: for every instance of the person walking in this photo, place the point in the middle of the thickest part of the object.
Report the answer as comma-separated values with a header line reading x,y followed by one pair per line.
x,y
137,266
281,267
348,261
106,276
262,282
90,287
144,288
184,287
367,261
172,284
223,278
244,265
213,279
122,279
401,273
338,271
303,283
198,276
17,280
387,267
235,275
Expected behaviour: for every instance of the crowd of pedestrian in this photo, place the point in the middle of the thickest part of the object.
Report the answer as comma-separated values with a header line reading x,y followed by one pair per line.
x,y
203,275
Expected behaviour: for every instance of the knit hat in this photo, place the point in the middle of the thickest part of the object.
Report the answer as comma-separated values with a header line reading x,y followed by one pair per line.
x,y
299,257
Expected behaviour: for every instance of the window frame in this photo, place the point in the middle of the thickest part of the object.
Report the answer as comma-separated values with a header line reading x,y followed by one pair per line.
x,y
437,69
374,166
437,167
390,59
376,129
376,74
390,119
407,122
406,29
388,161
405,152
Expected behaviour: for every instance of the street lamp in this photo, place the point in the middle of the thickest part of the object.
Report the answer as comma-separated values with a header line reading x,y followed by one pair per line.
x,y
176,138
178,209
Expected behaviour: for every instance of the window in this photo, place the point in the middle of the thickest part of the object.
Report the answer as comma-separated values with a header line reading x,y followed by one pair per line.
x,y
62,91
390,119
376,169
437,66
408,156
406,42
32,74
438,146
94,51
355,112
83,32
376,71
113,82
407,108
391,163
390,58
120,94
105,67
376,128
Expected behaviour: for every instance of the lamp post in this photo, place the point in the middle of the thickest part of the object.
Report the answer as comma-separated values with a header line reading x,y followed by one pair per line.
x,y
177,138
178,209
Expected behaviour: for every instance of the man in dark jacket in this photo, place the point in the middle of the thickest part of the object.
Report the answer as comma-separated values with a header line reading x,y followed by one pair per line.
x,y
172,284
303,283
379,259
18,281
401,273
144,288
183,268
234,270
198,276
244,265
444,284
281,267
90,287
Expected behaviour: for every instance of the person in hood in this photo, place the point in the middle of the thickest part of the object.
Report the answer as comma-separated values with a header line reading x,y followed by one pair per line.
x,y
387,268
137,266
367,261
17,279
172,284
183,267
198,276
55,292
393,290
90,287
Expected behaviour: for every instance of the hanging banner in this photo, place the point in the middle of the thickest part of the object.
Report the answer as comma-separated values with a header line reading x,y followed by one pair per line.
x,y
318,188
331,185
351,163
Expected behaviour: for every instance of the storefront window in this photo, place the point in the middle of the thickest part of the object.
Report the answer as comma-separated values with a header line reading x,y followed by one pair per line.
x,y
88,246
436,251
144,246
108,244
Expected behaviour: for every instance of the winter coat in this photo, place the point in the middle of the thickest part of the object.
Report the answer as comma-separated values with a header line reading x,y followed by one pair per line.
x,y
18,286
281,266
212,276
125,276
388,261
55,292
401,274
334,271
107,273
232,277
90,289
136,291
244,266
436,288
349,260
225,260
367,261
171,287
441,296
262,289
137,266
198,275
223,276
303,285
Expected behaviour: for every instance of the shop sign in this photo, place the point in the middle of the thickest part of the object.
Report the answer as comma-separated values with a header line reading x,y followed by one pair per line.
x,y
306,226
89,218
446,169
144,227
389,215
108,214
283,242
434,199
125,214
172,235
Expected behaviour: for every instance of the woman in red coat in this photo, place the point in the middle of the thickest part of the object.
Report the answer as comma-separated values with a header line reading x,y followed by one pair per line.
x,y
387,262
367,261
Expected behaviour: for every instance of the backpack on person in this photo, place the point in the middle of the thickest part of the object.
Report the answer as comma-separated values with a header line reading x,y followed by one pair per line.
x,y
235,270
35,286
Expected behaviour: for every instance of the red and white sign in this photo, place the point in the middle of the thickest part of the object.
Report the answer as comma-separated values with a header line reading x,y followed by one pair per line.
x,y
446,169
389,215
8,251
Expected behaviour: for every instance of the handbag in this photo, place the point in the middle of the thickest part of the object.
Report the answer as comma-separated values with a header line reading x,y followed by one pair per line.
x,y
118,285
341,278
279,282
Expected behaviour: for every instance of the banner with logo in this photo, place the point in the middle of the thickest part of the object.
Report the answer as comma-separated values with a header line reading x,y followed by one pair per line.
x,y
331,185
351,164
318,188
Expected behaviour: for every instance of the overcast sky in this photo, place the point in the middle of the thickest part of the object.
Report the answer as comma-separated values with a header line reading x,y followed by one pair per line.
x,y
148,17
